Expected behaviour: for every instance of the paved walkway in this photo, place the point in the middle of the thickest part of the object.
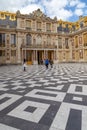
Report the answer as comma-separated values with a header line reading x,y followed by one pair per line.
x,y
40,99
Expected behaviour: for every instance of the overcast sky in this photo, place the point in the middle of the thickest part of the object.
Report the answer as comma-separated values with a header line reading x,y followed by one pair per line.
x,y
68,10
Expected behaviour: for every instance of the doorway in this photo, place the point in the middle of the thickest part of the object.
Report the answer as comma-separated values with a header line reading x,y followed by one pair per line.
x,y
39,57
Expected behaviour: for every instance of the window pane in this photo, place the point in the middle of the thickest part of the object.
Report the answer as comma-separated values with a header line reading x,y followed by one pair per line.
x,y
13,39
28,39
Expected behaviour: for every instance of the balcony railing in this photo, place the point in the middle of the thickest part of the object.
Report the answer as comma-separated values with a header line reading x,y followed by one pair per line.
x,y
13,45
28,28
39,46
48,30
39,30
2,44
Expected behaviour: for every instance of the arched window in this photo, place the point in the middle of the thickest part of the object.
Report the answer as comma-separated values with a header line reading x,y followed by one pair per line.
x,y
28,39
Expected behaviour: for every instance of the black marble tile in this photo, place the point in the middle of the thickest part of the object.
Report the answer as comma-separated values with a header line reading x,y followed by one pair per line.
x,y
74,120
4,100
30,109
78,89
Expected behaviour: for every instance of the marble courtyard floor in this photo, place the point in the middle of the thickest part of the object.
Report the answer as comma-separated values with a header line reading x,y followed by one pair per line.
x,y
40,99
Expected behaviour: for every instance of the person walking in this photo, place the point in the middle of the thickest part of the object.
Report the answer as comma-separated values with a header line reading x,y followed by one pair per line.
x,y
24,64
46,63
51,63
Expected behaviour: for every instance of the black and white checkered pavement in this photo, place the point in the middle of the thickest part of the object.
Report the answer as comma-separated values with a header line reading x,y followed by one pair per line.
x,y
43,99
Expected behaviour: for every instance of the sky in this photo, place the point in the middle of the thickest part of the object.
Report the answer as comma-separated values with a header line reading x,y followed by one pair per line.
x,y
67,10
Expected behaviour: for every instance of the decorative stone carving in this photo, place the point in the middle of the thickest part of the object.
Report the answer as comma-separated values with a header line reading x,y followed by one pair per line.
x,y
18,12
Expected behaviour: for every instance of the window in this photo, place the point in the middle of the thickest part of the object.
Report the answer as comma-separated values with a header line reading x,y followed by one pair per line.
x,y
39,40
22,23
2,16
2,39
48,40
38,26
12,17
34,41
85,39
76,41
66,43
2,52
28,24
13,52
13,39
72,41
73,54
28,39
81,54
80,40
60,43
48,27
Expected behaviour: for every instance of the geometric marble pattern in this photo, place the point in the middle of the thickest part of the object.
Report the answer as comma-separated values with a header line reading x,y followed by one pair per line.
x,y
29,116
43,99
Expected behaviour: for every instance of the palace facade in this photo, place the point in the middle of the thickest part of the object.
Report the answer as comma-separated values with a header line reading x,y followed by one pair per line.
x,y
35,37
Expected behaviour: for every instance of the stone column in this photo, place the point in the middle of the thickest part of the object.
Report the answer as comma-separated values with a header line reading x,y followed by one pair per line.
x,y
44,55
18,42
35,57
22,55
25,53
55,56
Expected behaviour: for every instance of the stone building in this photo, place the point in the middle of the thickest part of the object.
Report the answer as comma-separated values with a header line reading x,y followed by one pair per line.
x,y
35,37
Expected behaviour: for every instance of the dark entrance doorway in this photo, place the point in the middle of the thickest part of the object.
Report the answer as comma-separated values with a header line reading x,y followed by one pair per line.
x,y
50,55
39,57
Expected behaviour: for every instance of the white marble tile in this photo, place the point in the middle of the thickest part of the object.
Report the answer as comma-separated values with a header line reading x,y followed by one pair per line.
x,y
40,110
55,128
59,87
13,98
6,127
77,98
72,89
62,115
17,87
2,87
59,96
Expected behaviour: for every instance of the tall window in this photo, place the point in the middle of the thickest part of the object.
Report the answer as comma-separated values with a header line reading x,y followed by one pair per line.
x,y
80,41
76,41
72,41
28,39
13,39
34,41
48,40
73,54
38,26
28,24
81,54
13,52
85,39
39,40
66,43
48,27
60,43
2,52
22,23
2,39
